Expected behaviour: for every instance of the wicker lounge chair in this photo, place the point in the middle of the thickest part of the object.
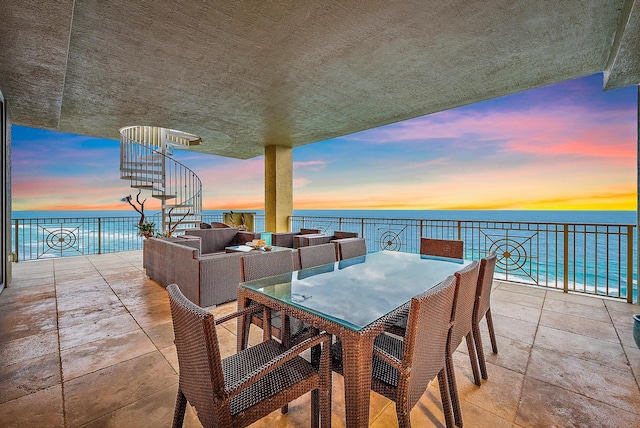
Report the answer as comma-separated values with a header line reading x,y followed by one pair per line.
x,y
317,255
242,388
482,309
402,369
442,248
466,280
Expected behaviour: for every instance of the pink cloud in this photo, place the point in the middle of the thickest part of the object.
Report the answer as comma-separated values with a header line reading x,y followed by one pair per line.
x,y
552,131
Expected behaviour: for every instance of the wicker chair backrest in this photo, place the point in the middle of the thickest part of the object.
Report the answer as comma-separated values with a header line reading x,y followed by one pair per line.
x,y
257,266
442,248
467,280
425,341
352,247
199,359
485,281
316,255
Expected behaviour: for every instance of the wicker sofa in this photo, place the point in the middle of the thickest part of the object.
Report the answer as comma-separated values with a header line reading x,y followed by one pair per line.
x,y
205,273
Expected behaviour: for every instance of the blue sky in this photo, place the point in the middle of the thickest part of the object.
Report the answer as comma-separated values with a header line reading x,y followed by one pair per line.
x,y
565,146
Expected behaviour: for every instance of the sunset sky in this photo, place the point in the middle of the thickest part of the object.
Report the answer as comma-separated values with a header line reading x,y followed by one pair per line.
x,y
565,146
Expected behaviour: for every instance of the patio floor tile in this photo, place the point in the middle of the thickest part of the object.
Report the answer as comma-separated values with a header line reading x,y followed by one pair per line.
x,y
118,386
547,405
40,409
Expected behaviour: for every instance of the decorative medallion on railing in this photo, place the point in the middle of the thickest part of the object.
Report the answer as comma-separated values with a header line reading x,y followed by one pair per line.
x,y
390,237
515,252
60,240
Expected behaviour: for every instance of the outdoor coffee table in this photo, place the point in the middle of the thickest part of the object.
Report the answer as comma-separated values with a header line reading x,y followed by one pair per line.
x,y
354,299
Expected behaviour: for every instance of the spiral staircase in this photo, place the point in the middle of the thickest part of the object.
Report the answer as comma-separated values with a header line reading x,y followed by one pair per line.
x,y
145,160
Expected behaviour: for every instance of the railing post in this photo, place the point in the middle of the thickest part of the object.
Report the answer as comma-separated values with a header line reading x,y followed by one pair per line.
x,y
16,234
630,264
459,223
565,262
99,236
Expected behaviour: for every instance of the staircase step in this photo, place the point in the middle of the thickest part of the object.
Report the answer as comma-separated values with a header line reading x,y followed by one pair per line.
x,y
142,167
139,172
179,206
179,214
161,196
189,222
142,186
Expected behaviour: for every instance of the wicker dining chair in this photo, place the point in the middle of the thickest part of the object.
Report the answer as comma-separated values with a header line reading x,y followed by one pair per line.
x,y
466,280
316,255
442,248
453,249
286,329
240,389
403,368
256,266
482,309
351,247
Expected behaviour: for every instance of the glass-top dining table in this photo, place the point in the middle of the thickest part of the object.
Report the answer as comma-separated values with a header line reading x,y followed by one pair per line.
x,y
355,300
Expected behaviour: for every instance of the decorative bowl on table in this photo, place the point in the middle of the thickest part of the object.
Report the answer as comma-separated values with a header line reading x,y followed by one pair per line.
x,y
256,244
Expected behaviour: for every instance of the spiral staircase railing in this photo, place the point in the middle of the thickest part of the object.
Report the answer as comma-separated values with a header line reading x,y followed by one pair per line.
x,y
145,160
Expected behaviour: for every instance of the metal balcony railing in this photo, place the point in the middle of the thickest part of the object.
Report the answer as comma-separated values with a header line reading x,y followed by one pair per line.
x,y
41,238
593,259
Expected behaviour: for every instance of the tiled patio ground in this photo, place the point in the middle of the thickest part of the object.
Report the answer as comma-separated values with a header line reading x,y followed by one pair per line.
x,y
87,341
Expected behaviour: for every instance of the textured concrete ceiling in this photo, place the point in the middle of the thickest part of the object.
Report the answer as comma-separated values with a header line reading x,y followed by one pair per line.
x,y
245,74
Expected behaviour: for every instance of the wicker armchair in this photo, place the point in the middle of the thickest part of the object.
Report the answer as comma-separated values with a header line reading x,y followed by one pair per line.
x,y
482,309
316,255
402,369
286,239
242,388
467,280
318,239
442,248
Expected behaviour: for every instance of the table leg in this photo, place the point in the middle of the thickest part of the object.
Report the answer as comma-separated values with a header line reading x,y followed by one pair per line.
x,y
244,322
357,352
